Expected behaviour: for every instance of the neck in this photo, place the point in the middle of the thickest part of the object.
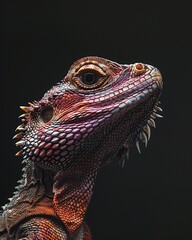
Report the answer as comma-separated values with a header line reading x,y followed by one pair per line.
x,y
72,193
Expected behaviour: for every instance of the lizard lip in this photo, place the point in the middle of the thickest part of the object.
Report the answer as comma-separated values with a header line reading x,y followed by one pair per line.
x,y
156,76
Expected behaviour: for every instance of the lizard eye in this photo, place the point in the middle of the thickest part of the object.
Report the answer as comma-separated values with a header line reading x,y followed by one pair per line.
x,y
90,79
46,114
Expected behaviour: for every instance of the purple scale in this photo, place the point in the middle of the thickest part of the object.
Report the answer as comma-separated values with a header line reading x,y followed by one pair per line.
x,y
69,136
54,134
36,152
42,153
42,137
55,146
75,130
61,130
95,124
48,139
63,147
83,130
61,135
39,134
50,132
49,153
41,145
62,141
68,130
108,115
55,140
89,130
70,142
48,145
100,120
88,125
92,121
77,136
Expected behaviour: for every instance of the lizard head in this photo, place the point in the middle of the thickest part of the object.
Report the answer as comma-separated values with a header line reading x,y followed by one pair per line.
x,y
95,114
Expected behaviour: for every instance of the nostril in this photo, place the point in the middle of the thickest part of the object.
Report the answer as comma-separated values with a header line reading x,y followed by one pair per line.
x,y
139,68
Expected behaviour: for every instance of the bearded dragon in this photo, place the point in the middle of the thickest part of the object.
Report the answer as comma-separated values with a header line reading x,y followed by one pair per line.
x,y
90,118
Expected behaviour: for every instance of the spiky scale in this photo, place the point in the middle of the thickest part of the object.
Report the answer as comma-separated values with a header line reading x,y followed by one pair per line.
x,y
20,128
153,115
151,122
18,135
148,131
20,143
24,115
158,115
31,104
159,109
19,154
138,147
25,108
3,207
143,137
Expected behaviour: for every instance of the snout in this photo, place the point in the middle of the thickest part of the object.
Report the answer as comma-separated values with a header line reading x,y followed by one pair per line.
x,y
156,75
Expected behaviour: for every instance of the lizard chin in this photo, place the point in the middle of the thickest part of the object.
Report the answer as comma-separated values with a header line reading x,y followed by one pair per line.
x,y
132,127
140,134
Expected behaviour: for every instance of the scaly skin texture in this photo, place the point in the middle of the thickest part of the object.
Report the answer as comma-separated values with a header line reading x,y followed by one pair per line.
x,y
90,118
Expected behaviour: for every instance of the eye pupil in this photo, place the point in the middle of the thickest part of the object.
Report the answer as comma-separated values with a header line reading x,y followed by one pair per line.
x,y
47,114
89,78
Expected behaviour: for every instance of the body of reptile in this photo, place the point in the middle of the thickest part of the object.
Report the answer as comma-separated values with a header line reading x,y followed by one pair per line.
x,y
90,118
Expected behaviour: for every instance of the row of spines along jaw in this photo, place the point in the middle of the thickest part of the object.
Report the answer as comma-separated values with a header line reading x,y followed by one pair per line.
x,y
145,133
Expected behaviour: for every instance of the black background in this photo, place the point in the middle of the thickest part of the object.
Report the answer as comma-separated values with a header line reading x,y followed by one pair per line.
x,y
150,198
